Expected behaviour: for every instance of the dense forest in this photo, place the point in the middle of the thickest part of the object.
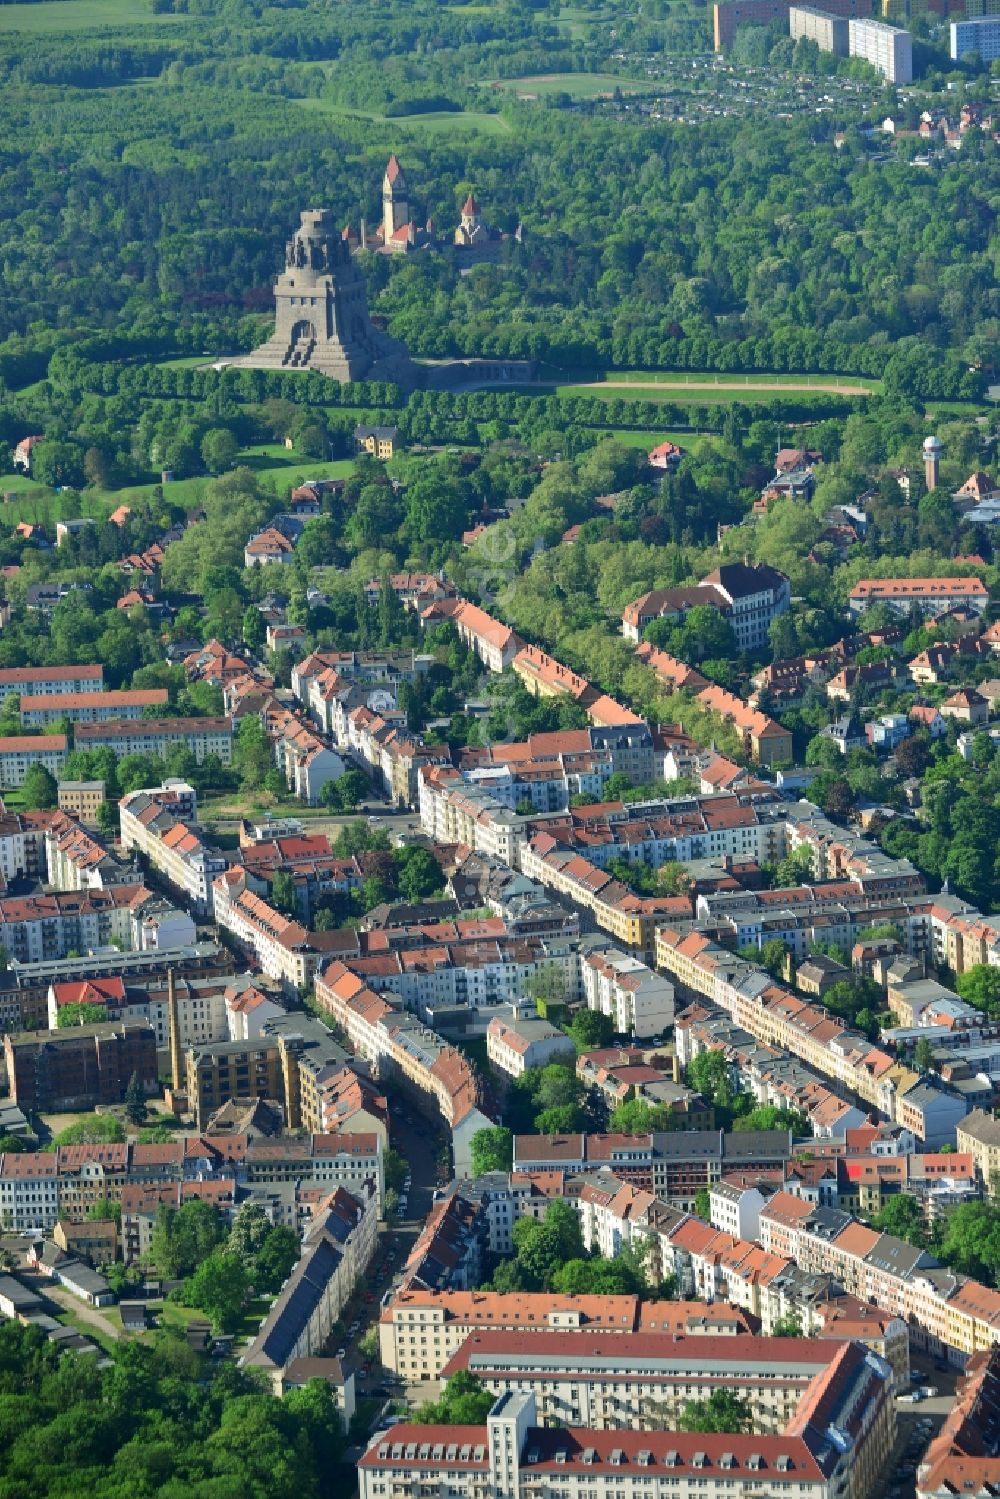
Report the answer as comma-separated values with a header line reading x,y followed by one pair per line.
x,y
148,183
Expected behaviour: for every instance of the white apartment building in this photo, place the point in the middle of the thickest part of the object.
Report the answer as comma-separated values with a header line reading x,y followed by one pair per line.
x,y
513,1045
158,821
19,752
29,1191
637,1000
49,681
889,49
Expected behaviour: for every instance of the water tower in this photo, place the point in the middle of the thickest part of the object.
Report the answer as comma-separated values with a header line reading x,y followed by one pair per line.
x,y
932,459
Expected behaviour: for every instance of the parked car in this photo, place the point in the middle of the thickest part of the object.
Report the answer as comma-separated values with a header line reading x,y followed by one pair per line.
x,y
929,1391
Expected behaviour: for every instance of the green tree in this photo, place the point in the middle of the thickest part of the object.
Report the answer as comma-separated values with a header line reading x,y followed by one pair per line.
x,y
722,1411
104,1209
39,790
923,1056
492,1150
83,1014
98,1129
218,1287
768,1116
254,628
135,1101
465,1402
283,892
902,1217
184,1237
420,874
980,986
219,449
709,1074
590,1030
787,1327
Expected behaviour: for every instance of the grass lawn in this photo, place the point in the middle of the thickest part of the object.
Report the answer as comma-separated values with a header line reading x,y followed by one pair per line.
x,y
710,377
692,441
679,395
437,122
87,1329
577,85
80,15
170,1314
253,1315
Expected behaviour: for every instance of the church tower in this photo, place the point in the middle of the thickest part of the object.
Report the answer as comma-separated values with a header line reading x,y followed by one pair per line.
x,y
471,216
395,201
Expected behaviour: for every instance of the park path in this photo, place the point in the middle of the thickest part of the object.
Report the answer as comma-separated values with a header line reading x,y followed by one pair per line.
x,y
82,1310
828,387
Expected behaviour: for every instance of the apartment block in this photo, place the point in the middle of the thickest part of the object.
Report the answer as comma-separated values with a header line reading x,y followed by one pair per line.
x,y
420,1330
929,595
39,712
49,681
19,752
837,1443
157,736
889,49
79,1068
829,32
981,36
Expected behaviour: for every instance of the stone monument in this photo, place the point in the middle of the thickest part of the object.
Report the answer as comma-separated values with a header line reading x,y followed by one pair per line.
x,y
321,307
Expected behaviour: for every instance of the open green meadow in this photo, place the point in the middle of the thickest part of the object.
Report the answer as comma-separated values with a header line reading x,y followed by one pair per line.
x,y
577,85
438,122
82,15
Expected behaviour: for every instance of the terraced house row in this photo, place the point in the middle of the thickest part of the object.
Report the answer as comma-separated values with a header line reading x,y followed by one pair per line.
x,y
38,1190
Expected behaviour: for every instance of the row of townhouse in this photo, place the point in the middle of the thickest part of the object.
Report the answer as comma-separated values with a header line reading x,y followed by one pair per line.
x,y
728,1270
392,754
35,928
946,1312
470,965
629,918
40,1189
76,859
769,1073
781,1019
674,1166
745,824
499,648
396,1044
281,947
305,760
41,712
337,1249
160,823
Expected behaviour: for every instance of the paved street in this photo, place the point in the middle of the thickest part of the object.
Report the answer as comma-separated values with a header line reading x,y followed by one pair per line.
x,y
414,1138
